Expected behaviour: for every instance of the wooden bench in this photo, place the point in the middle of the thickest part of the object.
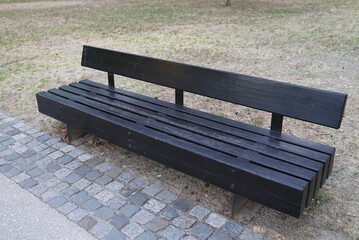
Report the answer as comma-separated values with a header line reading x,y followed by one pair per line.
x,y
267,166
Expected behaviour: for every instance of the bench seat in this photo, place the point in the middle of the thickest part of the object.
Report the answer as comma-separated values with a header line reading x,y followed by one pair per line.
x,y
272,168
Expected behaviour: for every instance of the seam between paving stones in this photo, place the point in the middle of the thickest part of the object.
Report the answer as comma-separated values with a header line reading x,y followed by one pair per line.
x,y
77,185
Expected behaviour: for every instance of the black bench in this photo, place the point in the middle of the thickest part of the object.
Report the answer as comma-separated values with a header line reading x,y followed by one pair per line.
x,y
272,168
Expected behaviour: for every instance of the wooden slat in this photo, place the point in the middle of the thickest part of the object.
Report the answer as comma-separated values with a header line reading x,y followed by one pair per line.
x,y
308,104
271,188
288,148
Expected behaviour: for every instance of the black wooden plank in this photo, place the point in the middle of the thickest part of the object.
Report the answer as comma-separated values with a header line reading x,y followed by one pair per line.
x,y
308,153
264,189
304,103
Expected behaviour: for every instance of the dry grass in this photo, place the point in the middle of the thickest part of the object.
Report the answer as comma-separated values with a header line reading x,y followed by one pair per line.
x,y
307,42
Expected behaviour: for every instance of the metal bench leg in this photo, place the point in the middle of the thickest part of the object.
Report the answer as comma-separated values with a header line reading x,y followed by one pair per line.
x,y
74,133
238,202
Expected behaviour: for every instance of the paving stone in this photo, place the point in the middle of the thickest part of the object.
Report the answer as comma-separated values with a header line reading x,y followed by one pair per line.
x,y
19,125
57,201
62,173
154,205
21,150
219,235
94,188
40,148
6,152
53,167
53,182
73,177
47,151
147,236
38,134
77,214
81,184
87,223
104,167
166,196
115,235
183,222
2,161
44,137
44,177
67,148
105,213
74,164
19,136
31,131
114,172
13,132
68,192
67,208
93,175
138,198
138,183
103,180
105,195
157,224
94,161
152,190
188,238
39,189
247,234
28,153
233,228
36,157
52,141
75,153
132,230
216,220
19,178
116,202
59,145
83,170
8,142
5,168
56,155
128,210
91,205
126,177
80,197
25,166
126,191
12,172
115,185
199,212
33,143
183,205
44,162
169,213
143,217
119,221
64,160
48,195
12,157
26,140
84,157
202,231
171,232
61,186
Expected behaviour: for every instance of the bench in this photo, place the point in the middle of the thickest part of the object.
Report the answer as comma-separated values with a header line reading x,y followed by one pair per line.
x,y
264,165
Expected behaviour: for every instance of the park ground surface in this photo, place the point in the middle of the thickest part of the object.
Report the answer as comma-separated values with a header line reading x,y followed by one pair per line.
x,y
308,42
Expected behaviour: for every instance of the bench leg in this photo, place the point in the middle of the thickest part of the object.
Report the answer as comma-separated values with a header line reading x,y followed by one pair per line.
x,y
238,202
74,133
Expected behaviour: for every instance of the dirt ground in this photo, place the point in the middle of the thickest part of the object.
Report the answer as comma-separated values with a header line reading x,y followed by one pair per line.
x,y
308,42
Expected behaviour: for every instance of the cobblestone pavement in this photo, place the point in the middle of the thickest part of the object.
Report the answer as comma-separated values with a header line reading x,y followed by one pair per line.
x,y
104,199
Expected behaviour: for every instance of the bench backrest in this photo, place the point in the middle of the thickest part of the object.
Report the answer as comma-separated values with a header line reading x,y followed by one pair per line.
x,y
282,99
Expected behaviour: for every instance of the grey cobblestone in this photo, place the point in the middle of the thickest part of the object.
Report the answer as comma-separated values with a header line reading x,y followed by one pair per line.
x,y
216,220
77,214
147,236
83,170
74,164
171,232
84,157
154,205
57,201
52,182
48,195
75,153
61,186
80,197
183,205
115,185
91,205
44,177
62,173
157,224
138,198
94,188
5,168
103,180
233,228
119,221
199,212
70,191
67,148
39,189
73,177
247,234
28,183
219,235
126,177
64,160
28,153
132,230
169,213
183,222
138,183
94,161
56,155
115,235
104,167
152,190
105,195
105,213
202,231
81,184
52,167
88,222
128,210
116,202
21,177
12,172
12,157
167,197
92,175
143,217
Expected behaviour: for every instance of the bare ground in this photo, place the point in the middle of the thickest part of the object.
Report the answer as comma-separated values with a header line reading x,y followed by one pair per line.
x,y
307,42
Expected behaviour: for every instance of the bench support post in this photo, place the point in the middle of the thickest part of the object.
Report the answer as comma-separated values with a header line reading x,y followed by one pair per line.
x,y
277,122
111,80
74,133
238,202
179,97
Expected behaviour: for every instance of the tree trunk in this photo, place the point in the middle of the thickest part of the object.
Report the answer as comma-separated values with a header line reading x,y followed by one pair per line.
x,y
228,2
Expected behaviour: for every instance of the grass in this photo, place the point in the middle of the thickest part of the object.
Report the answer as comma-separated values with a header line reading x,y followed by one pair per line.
x,y
307,42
